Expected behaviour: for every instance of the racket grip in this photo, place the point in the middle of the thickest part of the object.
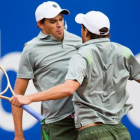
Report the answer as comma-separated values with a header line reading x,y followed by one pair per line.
x,y
39,117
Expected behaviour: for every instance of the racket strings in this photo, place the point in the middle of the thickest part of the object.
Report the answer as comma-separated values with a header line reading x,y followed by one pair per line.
x,y
3,82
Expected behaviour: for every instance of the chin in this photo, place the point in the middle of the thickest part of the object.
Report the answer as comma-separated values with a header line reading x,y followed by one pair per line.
x,y
60,38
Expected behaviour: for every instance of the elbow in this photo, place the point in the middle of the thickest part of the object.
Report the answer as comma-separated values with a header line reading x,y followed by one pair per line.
x,y
70,91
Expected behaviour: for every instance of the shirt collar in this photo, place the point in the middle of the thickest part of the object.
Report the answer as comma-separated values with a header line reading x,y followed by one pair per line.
x,y
42,36
93,41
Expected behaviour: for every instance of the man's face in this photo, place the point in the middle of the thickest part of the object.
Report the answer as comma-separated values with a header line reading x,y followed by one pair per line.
x,y
54,26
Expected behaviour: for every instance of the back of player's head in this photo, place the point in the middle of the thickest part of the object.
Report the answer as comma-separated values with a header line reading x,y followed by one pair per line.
x,y
94,21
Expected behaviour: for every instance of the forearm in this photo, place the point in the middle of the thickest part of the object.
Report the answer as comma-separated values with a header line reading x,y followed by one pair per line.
x,y
138,81
17,117
57,92
61,91
54,93
19,89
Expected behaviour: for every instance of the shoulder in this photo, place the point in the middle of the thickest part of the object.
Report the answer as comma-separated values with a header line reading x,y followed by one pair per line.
x,y
30,44
119,46
122,50
85,51
72,36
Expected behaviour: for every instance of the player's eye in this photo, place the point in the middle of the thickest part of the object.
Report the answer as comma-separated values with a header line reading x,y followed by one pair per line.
x,y
52,21
61,19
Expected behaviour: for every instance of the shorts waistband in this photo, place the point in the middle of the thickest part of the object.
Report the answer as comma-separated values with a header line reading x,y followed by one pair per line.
x,y
103,126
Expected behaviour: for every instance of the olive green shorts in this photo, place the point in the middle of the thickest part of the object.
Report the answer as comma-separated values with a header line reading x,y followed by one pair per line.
x,y
104,132
61,130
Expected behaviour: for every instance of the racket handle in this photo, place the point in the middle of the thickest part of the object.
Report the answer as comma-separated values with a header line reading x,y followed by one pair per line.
x,y
39,117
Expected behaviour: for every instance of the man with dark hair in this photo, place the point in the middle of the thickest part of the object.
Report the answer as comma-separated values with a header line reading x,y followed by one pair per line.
x,y
99,72
45,60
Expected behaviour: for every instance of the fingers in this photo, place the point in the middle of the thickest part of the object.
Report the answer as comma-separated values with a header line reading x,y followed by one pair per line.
x,y
18,100
14,100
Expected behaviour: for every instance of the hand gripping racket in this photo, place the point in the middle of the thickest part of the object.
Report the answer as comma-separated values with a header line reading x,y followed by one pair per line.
x,y
5,85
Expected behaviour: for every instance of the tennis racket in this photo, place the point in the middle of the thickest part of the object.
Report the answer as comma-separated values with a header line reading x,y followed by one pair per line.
x,y
5,85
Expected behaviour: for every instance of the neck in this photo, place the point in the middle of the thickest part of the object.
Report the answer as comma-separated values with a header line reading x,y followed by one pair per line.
x,y
86,39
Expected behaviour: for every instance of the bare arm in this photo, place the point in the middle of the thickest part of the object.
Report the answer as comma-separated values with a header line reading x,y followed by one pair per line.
x,y
138,81
19,89
61,91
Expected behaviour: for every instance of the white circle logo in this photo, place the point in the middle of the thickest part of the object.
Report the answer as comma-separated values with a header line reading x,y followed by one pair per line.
x,y
10,62
134,92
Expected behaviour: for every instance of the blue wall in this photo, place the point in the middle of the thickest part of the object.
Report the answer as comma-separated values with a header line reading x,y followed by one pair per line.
x,y
18,25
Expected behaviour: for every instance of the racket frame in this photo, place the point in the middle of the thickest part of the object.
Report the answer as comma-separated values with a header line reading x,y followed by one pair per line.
x,y
27,108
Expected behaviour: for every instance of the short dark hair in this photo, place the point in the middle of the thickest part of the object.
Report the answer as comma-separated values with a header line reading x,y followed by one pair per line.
x,y
94,36
42,21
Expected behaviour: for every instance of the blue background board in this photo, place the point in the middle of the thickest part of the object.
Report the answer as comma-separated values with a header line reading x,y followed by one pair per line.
x,y
18,25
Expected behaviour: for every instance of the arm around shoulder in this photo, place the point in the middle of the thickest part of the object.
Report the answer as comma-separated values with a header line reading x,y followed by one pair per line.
x,y
58,92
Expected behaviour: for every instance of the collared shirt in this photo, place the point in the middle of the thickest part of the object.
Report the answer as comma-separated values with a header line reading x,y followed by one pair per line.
x,y
102,68
45,60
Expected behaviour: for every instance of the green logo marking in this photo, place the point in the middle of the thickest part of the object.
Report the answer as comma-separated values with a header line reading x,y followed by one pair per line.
x,y
46,137
126,52
89,57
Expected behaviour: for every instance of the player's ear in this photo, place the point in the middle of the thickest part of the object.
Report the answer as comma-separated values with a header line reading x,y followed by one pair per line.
x,y
86,33
40,25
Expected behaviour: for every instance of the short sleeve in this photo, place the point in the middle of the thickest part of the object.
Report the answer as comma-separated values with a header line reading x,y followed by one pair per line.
x,y
133,64
26,64
77,69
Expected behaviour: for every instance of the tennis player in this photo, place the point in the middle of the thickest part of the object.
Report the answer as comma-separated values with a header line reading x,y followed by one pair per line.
x,y
99,72
45,60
